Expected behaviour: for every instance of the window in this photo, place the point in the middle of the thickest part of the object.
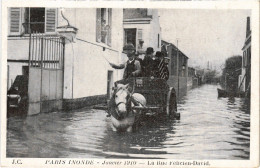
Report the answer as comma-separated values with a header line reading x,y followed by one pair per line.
x,y
34,20
103,27
30,20
130,36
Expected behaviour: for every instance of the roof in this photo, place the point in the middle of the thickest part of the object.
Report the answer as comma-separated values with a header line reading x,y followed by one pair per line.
x,y
168,43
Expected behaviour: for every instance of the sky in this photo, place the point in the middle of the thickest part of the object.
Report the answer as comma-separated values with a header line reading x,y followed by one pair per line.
x,y
205,35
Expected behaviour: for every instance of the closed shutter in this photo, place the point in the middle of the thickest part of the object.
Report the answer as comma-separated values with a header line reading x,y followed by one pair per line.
x,y
15,21
139,34
98,25
110,27
50,20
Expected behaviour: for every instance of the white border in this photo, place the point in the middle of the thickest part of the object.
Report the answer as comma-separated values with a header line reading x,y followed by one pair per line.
x,y
254,134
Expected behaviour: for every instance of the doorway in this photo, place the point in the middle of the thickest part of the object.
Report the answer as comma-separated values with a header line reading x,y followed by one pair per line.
x,y
109,84
130,36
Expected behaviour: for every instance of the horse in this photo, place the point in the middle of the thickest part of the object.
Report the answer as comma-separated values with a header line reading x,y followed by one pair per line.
x,y
123,117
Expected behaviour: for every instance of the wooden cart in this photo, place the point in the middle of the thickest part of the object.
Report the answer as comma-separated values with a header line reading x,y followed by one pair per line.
x,y
161,99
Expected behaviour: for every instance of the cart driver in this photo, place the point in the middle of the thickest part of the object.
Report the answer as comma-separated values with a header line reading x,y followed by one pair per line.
x,y
132,66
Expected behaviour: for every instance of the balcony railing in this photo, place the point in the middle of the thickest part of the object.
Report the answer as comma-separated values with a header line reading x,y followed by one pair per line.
x,y
34,27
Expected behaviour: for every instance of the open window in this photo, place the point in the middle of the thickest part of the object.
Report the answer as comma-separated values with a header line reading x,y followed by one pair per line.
x,y
130,36
32,20
103,25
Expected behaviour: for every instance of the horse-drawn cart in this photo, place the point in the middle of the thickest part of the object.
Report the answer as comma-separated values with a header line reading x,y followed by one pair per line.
x,y
134,98
160,98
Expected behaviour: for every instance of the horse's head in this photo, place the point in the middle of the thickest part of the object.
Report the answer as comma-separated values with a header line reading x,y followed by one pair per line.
x,y
122,100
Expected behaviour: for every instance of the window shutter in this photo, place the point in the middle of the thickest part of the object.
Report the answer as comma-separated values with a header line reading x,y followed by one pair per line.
x,y
110,27
139,34
50,20
15,21
98,25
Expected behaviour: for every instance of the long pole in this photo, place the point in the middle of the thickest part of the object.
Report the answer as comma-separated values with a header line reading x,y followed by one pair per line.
x,y
178,68
40,38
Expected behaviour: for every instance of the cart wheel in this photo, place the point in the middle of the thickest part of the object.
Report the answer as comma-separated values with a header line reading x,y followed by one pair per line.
x,y
171,110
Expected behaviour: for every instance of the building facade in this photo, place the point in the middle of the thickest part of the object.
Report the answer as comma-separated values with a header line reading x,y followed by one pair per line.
x,y
245,77
142,28
80,66
178,66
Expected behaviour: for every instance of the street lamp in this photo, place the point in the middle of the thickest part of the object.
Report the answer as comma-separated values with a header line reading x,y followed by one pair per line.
x,y
183,69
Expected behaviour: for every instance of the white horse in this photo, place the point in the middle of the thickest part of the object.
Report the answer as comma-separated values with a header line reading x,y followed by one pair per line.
x,y
123,117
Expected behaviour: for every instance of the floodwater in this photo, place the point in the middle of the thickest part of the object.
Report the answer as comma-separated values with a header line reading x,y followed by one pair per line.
x,y
209,128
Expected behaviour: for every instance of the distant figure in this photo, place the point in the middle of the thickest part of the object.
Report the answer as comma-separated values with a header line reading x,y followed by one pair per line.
x,y
140,47
148,63
138,58
162,68
132,66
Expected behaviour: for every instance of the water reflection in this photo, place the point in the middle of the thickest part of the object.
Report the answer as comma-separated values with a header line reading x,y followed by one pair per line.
x,y
209,128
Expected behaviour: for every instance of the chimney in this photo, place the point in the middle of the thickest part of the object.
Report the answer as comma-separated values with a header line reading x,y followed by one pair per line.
x,y
247,26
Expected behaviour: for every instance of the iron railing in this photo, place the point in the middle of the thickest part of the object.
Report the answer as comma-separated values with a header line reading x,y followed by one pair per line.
x,y
46,51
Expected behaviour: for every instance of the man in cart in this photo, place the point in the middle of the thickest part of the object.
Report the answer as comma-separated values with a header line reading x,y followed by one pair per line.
x,y
132,66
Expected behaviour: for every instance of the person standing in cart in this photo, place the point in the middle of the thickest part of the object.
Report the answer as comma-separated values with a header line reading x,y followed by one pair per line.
x,y
148,63
132,66
162,68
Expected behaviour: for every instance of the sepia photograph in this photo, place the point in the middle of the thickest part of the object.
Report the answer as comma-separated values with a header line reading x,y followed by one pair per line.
x,y
136,85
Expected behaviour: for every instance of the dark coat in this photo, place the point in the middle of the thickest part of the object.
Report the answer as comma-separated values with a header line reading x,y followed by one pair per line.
x,y
148,67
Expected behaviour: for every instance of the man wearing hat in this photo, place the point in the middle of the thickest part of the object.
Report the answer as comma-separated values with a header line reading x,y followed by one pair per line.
x,y
162,69
132,66
148,63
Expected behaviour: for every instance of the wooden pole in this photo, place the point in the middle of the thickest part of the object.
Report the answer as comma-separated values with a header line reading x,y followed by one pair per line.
x,y
178,68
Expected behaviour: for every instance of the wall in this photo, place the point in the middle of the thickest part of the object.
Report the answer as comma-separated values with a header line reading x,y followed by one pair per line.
x,y
17,49
155,30
14,70
150,31
195,82
189,82
85,67
173,82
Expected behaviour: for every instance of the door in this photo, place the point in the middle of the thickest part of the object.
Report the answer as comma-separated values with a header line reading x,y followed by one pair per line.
x,y
45,87
109,84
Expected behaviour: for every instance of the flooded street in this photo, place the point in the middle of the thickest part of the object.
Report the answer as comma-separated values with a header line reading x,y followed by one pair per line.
x,y
209,128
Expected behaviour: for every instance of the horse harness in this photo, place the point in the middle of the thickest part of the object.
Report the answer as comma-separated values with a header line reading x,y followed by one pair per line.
x,y
113,107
